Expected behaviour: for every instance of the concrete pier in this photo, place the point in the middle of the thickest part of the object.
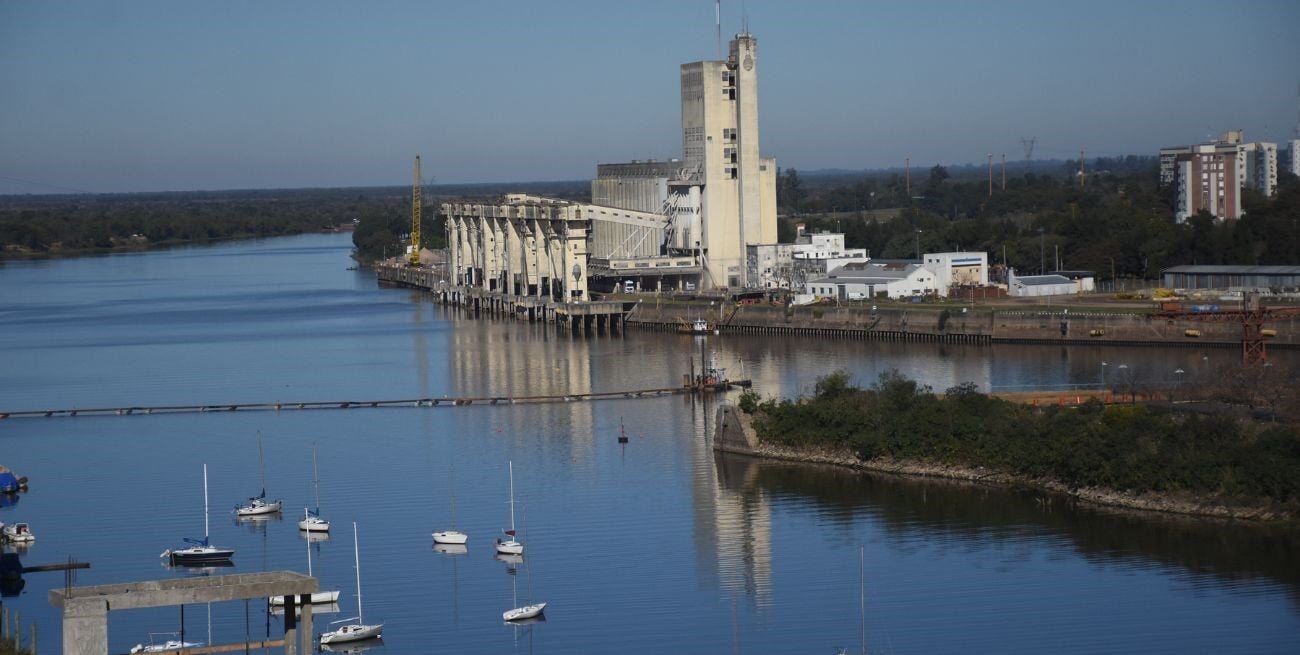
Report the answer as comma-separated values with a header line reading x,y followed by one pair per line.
x,y
85,609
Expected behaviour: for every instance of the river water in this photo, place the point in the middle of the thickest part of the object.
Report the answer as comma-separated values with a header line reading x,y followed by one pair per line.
x,y
655,546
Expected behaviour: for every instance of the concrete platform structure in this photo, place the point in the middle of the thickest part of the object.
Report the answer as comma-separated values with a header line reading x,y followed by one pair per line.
x,y
85,609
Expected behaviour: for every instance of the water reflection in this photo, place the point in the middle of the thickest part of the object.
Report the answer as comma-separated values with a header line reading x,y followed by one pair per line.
x,y
915,510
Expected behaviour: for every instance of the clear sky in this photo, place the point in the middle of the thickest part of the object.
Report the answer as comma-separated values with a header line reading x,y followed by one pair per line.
x,y
147,95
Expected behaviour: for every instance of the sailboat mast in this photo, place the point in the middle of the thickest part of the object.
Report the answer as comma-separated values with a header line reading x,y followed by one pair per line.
x,y
862,600
356,553
261,462
205,504
315,477
512,497
304,517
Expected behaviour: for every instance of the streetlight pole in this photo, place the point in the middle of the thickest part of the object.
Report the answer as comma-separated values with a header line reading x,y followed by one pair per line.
x,y
1103,375
1128,379
918,244
1179,385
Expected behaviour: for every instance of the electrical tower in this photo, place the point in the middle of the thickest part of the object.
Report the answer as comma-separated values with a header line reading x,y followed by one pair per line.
x,y
416,192
1029,146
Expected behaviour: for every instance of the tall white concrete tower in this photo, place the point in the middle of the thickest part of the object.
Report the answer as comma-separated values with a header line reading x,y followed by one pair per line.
x,y
735,185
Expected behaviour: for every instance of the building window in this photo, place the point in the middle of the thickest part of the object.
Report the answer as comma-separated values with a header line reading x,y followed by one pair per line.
x,y
729,155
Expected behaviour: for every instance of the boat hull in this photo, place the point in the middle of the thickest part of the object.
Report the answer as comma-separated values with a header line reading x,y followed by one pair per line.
x,y
352,632
510,547
523,613
450,537
258,508
199,556
314,525
318,598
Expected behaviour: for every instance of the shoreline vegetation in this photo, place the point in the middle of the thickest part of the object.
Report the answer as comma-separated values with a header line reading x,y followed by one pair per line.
x,y
1130,456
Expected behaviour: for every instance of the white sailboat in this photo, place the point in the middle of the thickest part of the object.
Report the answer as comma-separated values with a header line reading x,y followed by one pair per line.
x,y
452,537
359,630
165,646
258,505
525,612
200,553
319,597
313,521
509,545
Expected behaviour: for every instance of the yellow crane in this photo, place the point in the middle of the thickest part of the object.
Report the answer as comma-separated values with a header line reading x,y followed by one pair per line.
x,y
415,215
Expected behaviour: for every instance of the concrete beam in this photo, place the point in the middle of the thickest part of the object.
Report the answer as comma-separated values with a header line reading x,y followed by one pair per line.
x,y
158,593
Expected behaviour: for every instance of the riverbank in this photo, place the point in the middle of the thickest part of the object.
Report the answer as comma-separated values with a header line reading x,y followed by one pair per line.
x,y
735,434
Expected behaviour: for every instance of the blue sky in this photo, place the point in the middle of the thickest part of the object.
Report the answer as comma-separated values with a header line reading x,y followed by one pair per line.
x,y
159,95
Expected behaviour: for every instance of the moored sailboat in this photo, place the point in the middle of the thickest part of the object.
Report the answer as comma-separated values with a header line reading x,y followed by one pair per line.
x,y
453,536
509,545
199,552
359,630
259,505
313,521
317,598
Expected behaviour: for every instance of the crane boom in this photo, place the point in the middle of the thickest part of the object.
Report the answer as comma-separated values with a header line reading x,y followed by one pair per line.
x,y
416,192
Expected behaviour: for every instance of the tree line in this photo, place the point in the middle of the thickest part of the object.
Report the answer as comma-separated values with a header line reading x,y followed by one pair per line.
x,y
1122,447
1117,223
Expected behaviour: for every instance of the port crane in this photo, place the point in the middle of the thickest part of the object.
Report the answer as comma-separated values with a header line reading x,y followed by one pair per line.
x,y
416,193
1252,316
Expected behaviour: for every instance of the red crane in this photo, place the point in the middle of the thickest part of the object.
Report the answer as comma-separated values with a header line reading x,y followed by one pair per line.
x,y
1252,316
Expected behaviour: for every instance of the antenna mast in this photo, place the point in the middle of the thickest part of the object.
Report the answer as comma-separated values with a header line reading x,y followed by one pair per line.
x,y
415,215
717,21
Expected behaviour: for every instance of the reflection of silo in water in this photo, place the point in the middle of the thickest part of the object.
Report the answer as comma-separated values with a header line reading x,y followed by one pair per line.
x,y
519,360
733,518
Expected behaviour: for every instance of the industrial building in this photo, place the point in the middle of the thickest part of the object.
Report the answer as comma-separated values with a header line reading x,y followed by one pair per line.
x,y
661,224
1232,278
791,265
864,280
1039,285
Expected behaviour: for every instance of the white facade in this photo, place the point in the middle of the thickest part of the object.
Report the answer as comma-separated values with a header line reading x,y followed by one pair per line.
x,y
867,280
1257,166
960,269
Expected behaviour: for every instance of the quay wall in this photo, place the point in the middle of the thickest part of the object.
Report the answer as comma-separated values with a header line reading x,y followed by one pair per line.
x,y
977,325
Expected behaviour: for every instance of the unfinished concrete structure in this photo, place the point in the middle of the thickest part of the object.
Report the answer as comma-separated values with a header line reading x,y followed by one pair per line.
x,y
85,609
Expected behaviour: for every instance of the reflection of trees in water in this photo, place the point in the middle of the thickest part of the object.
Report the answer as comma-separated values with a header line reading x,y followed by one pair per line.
x,y
961,512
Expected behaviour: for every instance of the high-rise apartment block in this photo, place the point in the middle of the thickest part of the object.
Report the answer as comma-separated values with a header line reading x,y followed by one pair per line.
x,y
1210,176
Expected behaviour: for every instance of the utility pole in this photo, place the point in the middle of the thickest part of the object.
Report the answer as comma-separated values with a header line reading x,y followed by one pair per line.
x,y
990,175
1082,173
1004,171
907,170
1042,260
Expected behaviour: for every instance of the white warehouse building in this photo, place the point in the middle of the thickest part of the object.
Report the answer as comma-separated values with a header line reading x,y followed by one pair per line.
x,y
864,280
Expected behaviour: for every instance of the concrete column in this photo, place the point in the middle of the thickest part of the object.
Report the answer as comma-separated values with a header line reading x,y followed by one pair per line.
x,y
308,643
85,627
291,625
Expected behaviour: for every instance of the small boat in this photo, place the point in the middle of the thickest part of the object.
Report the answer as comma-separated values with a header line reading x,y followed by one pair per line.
x,y
525,612
317,598
18,533
164,647
698,326
259,505
10,483
199,552
509,545
359,630
453,536
313,521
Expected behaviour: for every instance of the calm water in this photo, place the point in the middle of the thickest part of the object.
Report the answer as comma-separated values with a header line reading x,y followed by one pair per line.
x,y
652,547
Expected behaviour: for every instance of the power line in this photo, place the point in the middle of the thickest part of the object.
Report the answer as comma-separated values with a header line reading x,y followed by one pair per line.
x,y
50,186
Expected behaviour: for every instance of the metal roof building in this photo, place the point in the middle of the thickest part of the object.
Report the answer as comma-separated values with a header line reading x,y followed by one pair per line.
x,y
1231,277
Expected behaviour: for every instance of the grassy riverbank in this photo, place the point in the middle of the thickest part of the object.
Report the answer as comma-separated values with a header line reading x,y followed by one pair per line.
x,y
1131,450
